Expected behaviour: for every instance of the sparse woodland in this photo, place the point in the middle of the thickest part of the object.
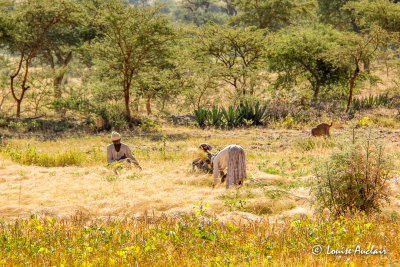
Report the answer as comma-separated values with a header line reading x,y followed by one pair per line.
x,y
114,63
170,75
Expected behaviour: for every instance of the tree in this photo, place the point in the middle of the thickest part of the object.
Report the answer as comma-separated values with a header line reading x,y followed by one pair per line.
x,y
356,48
29,23
62,41
130,37
382,13
269,14
333,12
236,51
303,53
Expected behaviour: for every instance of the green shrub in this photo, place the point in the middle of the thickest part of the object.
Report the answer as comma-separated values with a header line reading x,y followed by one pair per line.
x,y
231,116
215,116
201,116
148,125
353,178
254,113
371,101
17,126
33,125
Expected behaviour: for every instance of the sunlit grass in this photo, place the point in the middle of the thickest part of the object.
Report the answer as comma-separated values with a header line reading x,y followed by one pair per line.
x,y
197,240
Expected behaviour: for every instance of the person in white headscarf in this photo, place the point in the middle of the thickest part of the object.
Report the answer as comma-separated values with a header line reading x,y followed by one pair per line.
x,y
232,158
118,151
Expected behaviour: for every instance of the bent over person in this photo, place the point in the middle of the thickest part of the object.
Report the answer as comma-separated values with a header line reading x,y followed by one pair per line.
x,y
118,151
231,157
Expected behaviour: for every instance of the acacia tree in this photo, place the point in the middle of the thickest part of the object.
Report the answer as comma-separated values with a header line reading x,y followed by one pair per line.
x,y
62,41
128,38
268,14
357,48
303,53
236,51
28,24
382,13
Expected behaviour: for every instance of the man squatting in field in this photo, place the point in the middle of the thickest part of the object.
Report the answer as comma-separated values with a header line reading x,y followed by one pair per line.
x,y
118,151
231,157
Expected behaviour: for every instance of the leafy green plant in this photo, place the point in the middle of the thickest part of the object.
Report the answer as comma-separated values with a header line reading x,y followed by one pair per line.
x,y
231,116
354,178
201,116
163,146
371,101
148,125
236,204
134,176
33,125
215,116
17,126
252,112
111,178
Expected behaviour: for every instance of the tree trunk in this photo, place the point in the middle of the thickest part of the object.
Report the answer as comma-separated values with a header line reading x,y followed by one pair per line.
x,y
127,108
353,78
148,105
57,85
316,92
236,167
19,109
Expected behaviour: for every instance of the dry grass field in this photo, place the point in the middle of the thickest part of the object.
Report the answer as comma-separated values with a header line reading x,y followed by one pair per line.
x,y
279,164
274,203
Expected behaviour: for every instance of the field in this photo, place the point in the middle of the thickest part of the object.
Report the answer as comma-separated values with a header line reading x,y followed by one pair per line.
x,y
274,204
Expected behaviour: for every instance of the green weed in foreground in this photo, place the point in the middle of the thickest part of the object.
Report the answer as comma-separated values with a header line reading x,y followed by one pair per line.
x,y
196,240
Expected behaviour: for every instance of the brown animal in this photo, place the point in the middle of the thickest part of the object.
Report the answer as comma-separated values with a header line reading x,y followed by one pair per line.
x,y
321,129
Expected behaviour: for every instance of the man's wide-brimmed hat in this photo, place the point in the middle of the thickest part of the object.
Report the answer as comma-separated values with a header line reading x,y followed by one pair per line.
x,y
115,136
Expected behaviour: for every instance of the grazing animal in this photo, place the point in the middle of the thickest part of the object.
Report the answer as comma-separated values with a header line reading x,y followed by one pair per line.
x,y
321,129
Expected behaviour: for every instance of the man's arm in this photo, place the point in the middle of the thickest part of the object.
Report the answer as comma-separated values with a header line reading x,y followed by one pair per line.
x,y
109,155
130,155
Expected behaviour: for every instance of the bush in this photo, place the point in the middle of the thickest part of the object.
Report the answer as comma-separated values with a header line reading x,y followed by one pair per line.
x,y
353,178
148,125
17,126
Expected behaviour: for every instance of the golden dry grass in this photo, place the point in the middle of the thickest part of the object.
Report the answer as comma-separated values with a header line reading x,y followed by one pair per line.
x,y
276,187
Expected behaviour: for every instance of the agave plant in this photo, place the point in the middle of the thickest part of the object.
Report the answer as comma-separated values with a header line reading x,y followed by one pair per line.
x,y
201,115
370,101
215,116
231,116
256,113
